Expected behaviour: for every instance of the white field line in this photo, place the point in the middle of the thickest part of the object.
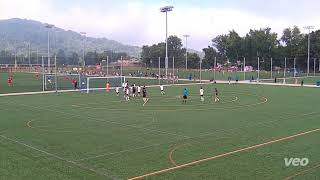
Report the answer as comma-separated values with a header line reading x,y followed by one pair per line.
x,y
85,90
58,157
189,84
223,155
200,136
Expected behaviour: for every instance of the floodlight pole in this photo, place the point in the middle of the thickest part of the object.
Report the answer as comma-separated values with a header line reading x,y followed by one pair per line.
x,y
49,26
309,28
173,70
107,65
83,51
166,9
55,67
37,56
271,69
258,69
294,67
43,76
186,36
15,61
284,70
29,56
314,67
159,70
121,66
200,71
166,61
214,68
244,68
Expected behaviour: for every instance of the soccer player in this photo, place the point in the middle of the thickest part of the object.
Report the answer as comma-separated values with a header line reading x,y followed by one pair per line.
x,y
144,95
133,90
162,90
124,87
75,84
108,87
201,94
49,80
185,95
10,81
139,90
117,91
127,93
216,95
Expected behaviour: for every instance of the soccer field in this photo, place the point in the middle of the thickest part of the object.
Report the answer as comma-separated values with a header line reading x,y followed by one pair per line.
x,y
29,82
247,135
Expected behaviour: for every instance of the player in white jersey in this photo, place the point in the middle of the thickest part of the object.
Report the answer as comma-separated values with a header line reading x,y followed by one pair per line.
x,y
117,91
201,94
127,93
124,86
162,90
139,90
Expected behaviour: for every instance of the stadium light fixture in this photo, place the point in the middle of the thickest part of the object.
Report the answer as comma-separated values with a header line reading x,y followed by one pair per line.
x,y
166,9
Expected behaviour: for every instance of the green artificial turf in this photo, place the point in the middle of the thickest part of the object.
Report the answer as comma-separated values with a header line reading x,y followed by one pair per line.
x,y
100,136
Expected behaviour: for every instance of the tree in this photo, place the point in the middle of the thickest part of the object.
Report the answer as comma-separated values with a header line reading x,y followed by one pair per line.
x,y
150,54
292,40
73,59
210,54
193,60
61,57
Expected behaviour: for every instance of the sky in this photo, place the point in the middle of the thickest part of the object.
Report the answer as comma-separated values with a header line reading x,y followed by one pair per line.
x,y
139,22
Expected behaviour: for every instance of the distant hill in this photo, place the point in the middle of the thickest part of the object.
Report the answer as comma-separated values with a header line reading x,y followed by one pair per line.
x,y
17,33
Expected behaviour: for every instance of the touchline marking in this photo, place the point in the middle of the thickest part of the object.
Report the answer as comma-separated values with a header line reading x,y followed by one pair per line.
x,y
184,139
58,157
223,155
302,172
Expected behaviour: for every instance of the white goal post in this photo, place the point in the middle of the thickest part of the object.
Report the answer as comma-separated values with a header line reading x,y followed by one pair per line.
x,y
99,83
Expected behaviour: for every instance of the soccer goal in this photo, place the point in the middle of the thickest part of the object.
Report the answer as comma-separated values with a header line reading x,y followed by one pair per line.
x,y
61,81
99,83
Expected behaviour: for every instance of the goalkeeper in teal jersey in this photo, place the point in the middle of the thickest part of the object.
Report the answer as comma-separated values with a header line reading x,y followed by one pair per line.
x,y
185,95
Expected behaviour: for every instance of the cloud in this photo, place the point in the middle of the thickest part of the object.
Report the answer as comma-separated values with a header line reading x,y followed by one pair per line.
x,y
139,22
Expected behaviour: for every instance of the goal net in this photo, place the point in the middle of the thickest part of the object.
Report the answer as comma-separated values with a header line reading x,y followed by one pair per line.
x,y
99,83
61,81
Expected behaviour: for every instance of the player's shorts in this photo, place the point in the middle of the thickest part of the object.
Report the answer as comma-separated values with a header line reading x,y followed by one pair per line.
x,y
201,95
185,97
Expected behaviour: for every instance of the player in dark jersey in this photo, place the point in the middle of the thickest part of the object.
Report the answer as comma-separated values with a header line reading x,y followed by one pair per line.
x,y
133,90
144,95
216,95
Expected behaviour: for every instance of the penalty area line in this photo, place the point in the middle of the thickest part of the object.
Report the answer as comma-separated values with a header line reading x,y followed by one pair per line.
x,y
223,155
